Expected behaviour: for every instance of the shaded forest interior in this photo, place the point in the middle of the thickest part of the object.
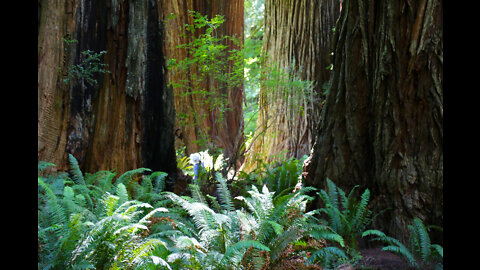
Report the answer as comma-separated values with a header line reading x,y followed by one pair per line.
x,y
253,134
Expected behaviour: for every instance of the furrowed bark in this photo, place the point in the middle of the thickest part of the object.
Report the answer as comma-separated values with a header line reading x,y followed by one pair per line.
x,y
194,117
297,41
123,122
382,123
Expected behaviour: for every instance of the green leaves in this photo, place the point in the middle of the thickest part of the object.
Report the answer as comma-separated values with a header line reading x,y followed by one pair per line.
x,y
208,57
419,245
242,245
86,221
347,217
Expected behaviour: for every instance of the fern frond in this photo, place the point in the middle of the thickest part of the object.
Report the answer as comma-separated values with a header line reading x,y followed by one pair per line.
x,y
420,234
197,194
279,243
374,232
260,203
42,165
151,213
214,203
240,246
131,211
332,212
332,193
75,170
403,252
131,229
326,254
109,203
105,180
438,249
158,179
201,214
69,201
83,189
360,212
224,193
323,232
121,192
56,209
126,177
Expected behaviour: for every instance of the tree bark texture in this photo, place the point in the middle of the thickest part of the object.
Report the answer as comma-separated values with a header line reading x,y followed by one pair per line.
x,y
225,132
382,125
297,40
126,120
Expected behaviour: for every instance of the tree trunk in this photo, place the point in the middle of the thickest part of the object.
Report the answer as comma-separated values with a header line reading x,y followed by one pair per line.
x,y
123,122
199,119
297,44
382,124
52,94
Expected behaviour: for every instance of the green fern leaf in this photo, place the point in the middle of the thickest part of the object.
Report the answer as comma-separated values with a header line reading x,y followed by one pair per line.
x,y
56,209
224,193
110,203
158,178
325,254
42,165
421,234
126,177
75,170
360,212
121,192
402,251
197,194
327,235
374,232
242,245
438,249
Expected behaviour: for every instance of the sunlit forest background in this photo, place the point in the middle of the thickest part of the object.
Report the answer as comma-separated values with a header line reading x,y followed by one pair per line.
x,y
240,134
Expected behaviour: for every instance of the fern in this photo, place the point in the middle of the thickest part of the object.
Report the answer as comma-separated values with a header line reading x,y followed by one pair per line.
x,y
42,165
77,174
197,194
159,179
56,210
126,177
224,193
347,217
419,245
242,245
327,256
122,193
201,214
143,256
420,239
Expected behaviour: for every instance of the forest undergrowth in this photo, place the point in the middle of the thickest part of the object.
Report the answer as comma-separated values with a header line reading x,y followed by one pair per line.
x,y
257,220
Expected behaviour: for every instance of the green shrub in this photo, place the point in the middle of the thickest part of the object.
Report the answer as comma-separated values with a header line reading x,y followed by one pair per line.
x,y
81,224
419,252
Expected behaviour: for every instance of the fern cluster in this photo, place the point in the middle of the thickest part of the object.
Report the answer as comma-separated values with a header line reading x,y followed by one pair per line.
x,y
258,235
281,178
92,222
419,252
347,216
99,221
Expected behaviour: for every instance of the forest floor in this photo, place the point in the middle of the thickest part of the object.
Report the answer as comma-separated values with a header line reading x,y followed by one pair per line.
x,y
376,258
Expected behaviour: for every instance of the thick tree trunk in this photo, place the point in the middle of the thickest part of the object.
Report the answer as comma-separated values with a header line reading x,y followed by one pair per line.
x,y
225,132
126,120
382,123
52,94
297,42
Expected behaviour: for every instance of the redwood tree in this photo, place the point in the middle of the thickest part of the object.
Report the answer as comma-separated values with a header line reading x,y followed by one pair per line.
x,y
382,127
196,120
125,120
297,49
